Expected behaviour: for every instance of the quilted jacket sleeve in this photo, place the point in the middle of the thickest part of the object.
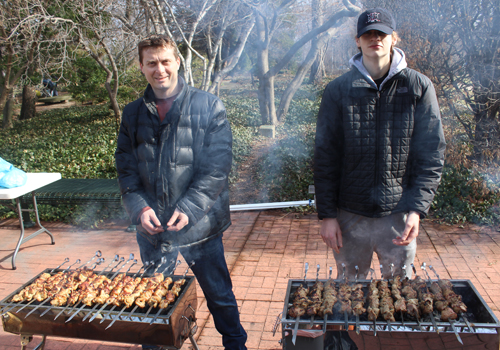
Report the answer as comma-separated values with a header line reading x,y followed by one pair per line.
x,y
133,194
212,166
427,150
327,153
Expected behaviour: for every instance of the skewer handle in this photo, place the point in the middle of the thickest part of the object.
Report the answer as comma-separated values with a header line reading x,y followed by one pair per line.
x,y
70,266
391,266
357,272
414,269
330,275
305,271
295,329
55,268
185,272
434,271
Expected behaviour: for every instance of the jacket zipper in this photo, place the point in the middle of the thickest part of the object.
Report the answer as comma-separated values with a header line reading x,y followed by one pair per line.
x,y
377,147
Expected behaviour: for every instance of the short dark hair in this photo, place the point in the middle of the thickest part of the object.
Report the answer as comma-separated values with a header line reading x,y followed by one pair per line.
x,y
157,41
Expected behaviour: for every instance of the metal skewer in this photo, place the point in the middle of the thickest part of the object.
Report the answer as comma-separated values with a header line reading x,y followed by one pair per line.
x,y
145,267
372,272
166,268
461,314
114,275
98,262
423,267
296,326
346,317
356,281
107,303
136,306
317,279
325,317
46,300
149,310
403,273
416,316
183,276
382,277
13,304
134,261
116,258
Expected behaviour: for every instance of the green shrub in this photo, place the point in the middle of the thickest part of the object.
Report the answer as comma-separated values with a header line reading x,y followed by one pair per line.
x,y
87,80
465,195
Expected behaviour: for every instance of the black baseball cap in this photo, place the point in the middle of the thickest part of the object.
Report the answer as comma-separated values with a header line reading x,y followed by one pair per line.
x,y
376,19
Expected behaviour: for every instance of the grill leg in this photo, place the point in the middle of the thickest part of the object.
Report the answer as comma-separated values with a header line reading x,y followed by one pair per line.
x,y
193,341
41,346
26,339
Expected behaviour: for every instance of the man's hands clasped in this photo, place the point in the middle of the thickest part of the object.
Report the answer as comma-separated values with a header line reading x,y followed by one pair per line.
x,y
151,223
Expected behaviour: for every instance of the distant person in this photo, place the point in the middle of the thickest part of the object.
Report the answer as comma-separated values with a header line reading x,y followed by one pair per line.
x,y
173,158
50,86
379,153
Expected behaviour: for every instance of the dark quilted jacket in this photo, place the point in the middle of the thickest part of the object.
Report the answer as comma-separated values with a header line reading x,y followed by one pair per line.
x,y
181,163
378,152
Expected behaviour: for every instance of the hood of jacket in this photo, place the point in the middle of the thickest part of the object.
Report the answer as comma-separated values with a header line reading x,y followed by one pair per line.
x,y
398,63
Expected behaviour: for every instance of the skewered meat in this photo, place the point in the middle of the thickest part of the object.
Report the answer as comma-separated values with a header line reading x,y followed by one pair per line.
x,y
300,302
315,299
329,299
454,300
344,296
399,300
358,300
373,301
172,294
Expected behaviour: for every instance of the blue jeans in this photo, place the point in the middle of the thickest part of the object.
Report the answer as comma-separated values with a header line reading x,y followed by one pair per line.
x,y
211,271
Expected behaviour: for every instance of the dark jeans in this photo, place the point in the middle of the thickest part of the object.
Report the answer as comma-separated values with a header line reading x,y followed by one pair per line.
x,y
211,271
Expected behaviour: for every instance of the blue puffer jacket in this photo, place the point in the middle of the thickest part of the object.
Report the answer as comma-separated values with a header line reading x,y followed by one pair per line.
x,y
181,163
378,150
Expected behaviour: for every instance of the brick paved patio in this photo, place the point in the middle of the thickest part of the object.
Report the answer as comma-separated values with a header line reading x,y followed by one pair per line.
x,y
263,250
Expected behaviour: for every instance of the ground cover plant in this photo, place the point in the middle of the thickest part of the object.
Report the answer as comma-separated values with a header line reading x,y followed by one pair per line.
x,y
79,142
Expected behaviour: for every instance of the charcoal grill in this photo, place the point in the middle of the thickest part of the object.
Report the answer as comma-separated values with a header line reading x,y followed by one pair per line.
x,y
482,333
171,328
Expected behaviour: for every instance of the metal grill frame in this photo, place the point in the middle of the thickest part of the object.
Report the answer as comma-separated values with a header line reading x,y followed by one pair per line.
x,y
487,320
172,327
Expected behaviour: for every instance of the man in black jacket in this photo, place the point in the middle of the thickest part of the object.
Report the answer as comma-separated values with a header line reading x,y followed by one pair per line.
x,y
173,159
379,153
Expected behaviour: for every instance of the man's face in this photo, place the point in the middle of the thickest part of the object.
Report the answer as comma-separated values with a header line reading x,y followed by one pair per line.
x,y
160,68
375,44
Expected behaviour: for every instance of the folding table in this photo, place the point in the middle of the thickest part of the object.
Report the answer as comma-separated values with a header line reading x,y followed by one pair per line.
x,y
35,181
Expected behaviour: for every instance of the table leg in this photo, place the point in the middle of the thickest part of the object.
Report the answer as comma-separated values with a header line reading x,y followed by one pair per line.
x,y
21,223
21,238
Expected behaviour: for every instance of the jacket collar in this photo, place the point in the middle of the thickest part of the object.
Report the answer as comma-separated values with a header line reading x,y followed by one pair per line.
x,y
150,99
398,63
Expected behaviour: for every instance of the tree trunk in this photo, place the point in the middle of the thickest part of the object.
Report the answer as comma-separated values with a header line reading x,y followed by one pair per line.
x,y
316,46
28,109
8,111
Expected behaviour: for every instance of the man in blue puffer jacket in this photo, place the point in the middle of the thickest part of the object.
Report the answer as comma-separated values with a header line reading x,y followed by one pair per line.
x,y
379,153
173,159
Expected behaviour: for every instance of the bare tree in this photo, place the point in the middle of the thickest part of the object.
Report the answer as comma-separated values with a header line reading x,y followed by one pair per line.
x,y
30,38
457,43
268,19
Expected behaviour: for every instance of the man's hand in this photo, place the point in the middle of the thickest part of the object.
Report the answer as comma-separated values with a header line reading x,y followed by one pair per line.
x,y
150,222
331,233
411,229
177,221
